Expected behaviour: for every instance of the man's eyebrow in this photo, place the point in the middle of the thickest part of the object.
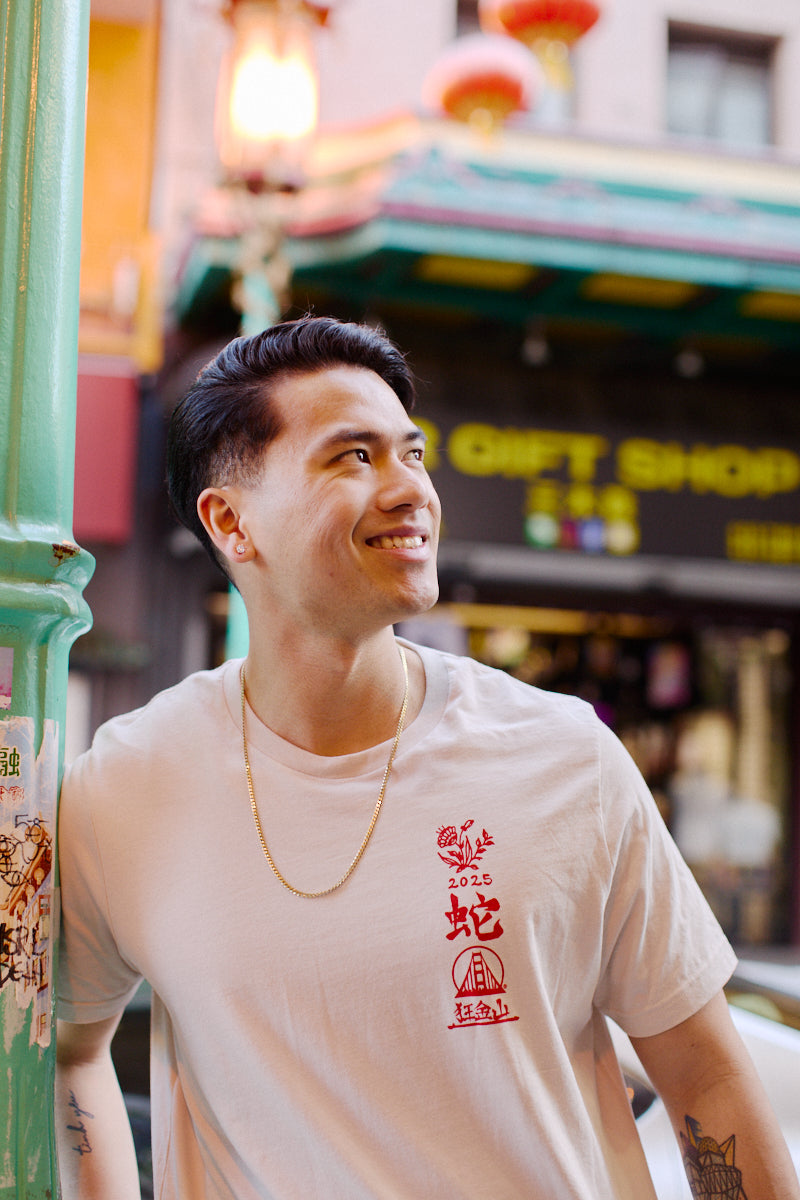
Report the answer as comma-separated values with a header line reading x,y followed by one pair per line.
x,y
343,437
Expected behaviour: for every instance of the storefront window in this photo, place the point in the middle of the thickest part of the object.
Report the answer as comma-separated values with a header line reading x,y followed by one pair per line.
x,y
467,20
729,790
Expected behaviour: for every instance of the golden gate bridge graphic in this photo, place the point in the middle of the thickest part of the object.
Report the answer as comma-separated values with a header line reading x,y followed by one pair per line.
x,y
479,987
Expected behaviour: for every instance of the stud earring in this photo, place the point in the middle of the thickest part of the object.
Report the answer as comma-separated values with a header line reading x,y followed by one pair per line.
x,y
242,546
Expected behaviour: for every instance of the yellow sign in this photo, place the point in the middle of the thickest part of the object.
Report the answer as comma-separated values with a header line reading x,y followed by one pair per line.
x,y
591,492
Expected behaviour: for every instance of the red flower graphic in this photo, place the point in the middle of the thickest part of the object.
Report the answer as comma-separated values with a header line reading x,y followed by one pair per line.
x,y
462,854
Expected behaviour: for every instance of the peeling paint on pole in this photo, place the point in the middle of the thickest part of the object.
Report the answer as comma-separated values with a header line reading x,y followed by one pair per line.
x,y
43,56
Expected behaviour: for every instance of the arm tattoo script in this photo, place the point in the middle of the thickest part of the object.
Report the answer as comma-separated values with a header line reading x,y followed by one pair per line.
x,y
709,1165
83,1145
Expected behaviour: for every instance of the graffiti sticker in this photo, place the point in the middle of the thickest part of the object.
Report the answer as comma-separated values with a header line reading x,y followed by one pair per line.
x,y
27,818
6,675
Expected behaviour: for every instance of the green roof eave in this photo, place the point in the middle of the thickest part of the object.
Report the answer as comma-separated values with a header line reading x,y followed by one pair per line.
x,y
567,208
419,238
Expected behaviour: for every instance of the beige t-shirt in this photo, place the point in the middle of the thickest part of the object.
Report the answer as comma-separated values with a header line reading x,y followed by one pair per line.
x,y
433,1028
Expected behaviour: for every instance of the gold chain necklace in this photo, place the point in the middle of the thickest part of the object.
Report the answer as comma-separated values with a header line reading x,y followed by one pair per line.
x,y
254,808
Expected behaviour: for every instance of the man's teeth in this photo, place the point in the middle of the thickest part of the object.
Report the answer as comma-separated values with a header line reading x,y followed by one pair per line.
x,y
397,543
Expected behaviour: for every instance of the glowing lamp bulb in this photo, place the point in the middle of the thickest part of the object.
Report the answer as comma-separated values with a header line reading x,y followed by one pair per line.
x,y
272,98
267,94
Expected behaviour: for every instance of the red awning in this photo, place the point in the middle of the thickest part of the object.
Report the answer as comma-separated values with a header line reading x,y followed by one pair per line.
x,y
105,452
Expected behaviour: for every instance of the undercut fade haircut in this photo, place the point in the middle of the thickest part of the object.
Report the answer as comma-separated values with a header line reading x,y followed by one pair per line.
x,y
220,429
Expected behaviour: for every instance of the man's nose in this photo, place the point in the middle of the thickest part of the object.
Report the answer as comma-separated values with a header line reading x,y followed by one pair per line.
x,y
404,484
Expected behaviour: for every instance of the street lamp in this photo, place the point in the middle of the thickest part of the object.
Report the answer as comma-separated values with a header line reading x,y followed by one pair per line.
x,y
43,56
266,112
267,92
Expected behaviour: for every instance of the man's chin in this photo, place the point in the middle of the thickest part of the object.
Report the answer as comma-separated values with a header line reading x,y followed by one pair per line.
x,y
420,603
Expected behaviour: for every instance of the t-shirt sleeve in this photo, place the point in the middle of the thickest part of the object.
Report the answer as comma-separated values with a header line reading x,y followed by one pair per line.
x,y
664,954
94,981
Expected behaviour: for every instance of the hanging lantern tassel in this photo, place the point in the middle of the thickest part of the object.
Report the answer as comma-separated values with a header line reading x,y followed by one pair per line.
x,y
318,10
547,27
482,79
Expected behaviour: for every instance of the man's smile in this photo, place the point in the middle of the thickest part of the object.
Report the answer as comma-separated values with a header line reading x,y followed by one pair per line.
x,y
396,542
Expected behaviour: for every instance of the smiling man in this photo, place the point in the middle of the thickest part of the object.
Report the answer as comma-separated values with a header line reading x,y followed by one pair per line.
x,y
385,897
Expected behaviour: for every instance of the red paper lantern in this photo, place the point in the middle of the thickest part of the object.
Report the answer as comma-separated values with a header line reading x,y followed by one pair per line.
x,y
527,20
547,27
482,79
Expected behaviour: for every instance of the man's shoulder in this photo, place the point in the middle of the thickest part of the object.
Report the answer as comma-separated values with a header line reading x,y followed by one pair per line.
x,y
178,713
491,690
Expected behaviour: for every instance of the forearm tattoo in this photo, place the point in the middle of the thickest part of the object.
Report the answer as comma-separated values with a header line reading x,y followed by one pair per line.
x,y
80,1115
710,1166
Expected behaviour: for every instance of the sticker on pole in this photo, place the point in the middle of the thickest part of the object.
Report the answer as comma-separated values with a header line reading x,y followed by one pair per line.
x,y
27,817
6,675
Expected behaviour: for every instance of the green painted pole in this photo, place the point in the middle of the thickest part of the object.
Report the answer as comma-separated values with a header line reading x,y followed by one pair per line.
x,y
43,66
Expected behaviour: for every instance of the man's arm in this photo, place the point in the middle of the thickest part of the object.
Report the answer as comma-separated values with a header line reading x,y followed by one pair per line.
x,y
718,1107
96,1154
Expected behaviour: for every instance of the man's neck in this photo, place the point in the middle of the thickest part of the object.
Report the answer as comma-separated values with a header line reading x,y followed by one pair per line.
x,y
332,698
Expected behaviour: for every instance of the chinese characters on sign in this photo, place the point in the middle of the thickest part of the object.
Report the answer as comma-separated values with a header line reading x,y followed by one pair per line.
x,y
477,971
9,762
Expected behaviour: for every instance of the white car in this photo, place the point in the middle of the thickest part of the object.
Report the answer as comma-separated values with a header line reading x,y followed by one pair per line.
x,y
775,1049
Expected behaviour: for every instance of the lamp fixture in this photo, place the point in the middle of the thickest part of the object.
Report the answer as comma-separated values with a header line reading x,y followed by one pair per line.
x,y
689,363
535,349
267,92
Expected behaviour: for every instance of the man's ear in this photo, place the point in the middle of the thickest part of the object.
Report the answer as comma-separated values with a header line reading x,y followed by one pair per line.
x,y
220,516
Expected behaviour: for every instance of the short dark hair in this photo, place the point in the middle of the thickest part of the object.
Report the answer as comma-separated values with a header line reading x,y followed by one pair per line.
x,y
219,430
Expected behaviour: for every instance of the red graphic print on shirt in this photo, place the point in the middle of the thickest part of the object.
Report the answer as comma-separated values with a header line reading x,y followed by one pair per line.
x,y
478,973
458,916
461,854
478,978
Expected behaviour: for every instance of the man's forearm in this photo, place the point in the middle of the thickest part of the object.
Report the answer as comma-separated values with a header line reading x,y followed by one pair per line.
x,y
96,1154
730,1139
733,1151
